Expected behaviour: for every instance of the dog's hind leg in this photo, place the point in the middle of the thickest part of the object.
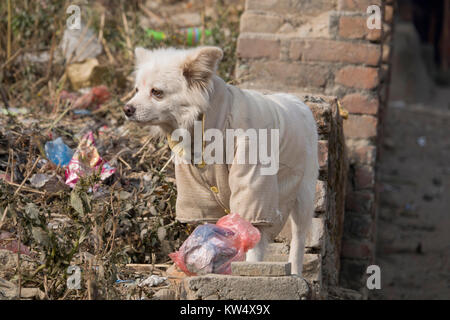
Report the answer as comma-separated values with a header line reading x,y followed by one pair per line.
x,y
297,249
301,218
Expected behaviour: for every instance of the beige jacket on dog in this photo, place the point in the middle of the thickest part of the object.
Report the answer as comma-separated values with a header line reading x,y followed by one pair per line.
x,y
206,193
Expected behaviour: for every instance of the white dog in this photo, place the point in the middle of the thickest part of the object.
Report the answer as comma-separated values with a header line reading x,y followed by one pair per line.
x,y
176,88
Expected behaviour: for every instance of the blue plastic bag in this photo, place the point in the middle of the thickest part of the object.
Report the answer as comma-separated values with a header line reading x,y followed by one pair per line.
x,y
58,152
212,247
208,249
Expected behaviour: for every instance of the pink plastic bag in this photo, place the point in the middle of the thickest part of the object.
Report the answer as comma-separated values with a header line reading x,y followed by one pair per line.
x,y
86,160
211,248
91,100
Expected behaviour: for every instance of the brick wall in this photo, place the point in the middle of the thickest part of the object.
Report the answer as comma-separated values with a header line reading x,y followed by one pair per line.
x,y
323,243
364,134
325,47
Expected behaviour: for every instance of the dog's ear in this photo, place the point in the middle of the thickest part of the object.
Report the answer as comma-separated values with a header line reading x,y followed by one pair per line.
x,y
141,54
200,66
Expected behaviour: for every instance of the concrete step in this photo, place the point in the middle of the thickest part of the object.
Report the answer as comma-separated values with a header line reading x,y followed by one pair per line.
x,y
277,252
261,269
224,287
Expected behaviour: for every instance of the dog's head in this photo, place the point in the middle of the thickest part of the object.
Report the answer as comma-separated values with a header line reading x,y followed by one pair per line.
x,y
172,86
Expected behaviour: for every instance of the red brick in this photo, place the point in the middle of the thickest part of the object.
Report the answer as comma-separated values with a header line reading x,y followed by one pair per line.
x,y
364,177
360,126
323,154
289,74
305,9
248,48
264,23
389,13
358,226
335,51
356,28
357,5
357,250
359,201
386,53
360,152
358,77
360,104
387,33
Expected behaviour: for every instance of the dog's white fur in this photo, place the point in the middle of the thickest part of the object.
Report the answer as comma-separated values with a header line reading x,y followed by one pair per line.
x,y
188,82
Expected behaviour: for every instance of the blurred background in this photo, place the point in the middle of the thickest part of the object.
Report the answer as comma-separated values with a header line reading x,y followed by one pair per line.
x,y
413,242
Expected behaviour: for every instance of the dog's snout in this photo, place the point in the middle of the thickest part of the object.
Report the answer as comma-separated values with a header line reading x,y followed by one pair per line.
x,y
129,110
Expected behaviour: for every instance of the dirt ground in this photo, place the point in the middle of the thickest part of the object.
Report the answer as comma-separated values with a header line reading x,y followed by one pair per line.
x,y
413,247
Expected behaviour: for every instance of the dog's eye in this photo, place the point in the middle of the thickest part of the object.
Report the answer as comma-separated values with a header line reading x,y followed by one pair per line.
x,y
137,90
158,94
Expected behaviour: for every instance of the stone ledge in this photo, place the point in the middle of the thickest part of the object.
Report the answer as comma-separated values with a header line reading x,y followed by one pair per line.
x,y
312,268
261,268
224,287
314,238
277,247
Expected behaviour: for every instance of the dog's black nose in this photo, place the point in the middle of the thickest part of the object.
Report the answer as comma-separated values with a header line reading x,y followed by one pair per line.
x,y
129,110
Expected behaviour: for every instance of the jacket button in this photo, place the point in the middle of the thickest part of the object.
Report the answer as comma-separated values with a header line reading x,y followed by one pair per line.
x,y
214,189
201,165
